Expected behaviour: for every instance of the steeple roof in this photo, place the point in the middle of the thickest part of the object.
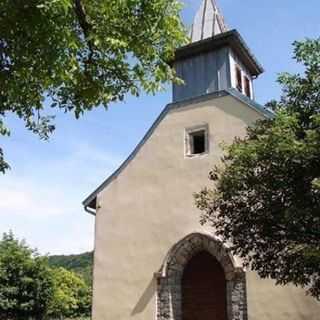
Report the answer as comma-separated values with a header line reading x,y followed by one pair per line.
x,y
208,21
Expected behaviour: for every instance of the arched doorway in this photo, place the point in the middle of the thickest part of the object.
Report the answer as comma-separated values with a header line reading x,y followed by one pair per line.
x,y
180,258
204,289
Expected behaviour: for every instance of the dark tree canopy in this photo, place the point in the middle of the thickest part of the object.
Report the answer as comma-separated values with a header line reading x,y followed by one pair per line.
x,y
79,54
26,284
266,195
79,263
30,289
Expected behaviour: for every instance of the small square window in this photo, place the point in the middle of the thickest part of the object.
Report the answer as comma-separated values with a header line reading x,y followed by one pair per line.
x,y
197,141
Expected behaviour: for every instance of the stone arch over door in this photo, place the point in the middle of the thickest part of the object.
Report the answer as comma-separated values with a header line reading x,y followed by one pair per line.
x,y
169,291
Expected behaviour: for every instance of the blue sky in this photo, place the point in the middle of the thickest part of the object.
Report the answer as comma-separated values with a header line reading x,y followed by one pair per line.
x,y
40,198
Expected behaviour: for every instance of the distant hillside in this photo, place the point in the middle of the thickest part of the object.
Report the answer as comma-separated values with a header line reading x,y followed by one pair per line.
x,y
79,263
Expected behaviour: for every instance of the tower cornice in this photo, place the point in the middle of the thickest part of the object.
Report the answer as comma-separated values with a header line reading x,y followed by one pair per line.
x,y
230,39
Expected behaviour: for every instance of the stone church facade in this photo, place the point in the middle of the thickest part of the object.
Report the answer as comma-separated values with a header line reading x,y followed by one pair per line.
x,y
153,259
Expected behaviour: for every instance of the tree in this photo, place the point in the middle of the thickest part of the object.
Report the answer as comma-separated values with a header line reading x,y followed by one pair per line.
x,y
80,264
26,284
80,54
29,288
72,296
266,195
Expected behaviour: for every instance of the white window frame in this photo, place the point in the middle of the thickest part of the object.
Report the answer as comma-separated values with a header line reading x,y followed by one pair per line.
x,y
188,140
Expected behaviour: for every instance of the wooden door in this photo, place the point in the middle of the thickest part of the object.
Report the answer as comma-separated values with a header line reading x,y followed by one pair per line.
x,y
204,289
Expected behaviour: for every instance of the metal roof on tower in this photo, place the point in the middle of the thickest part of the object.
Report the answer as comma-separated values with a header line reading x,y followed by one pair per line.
x,y
208,22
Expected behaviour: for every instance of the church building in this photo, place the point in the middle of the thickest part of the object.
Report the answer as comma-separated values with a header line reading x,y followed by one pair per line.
x,y
153,260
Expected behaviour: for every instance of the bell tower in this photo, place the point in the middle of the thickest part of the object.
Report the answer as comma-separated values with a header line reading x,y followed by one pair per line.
x,y
217,58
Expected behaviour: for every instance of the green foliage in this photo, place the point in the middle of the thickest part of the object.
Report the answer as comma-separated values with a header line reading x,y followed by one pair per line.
x,y
30,289
72,297
266,196
79,54
80,264
26,283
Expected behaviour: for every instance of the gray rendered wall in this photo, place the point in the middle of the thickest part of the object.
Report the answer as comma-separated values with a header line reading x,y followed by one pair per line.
x,y
202,74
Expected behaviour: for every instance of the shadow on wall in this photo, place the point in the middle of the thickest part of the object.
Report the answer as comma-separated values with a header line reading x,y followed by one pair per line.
x,y
145,298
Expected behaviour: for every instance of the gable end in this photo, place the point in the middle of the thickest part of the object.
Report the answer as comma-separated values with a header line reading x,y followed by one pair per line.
x,y
90,202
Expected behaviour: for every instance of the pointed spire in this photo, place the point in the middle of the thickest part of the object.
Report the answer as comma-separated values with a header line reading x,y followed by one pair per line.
x,y
208,22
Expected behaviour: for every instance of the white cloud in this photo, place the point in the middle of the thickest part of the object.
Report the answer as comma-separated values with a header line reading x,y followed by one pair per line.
x,y
56,185
31,200
40,199
89,164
